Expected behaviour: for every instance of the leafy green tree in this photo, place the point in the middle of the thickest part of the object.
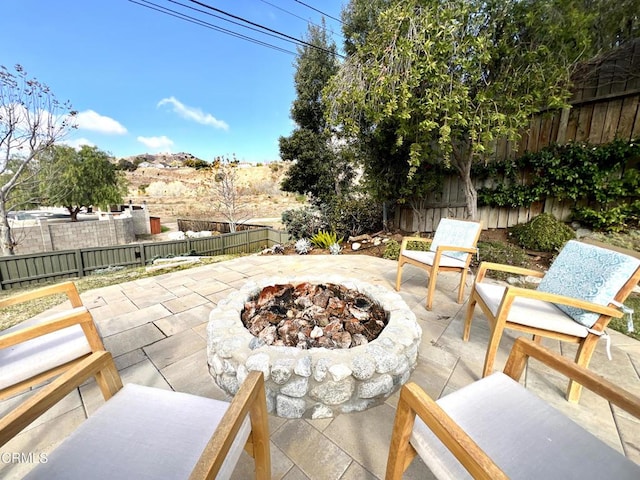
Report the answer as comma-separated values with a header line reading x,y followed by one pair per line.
x,y
450,77
86,177
321,167
31,121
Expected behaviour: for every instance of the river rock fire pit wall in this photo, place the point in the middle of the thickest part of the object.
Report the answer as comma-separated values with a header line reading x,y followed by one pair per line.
x,y
316,382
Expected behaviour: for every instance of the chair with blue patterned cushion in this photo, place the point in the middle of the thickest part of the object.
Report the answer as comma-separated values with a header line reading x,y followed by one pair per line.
x,y
574,302
451,250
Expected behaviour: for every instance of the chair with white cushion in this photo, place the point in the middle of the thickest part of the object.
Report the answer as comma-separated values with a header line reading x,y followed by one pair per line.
x,y
450,250
149,433
496,429
46,345
574,302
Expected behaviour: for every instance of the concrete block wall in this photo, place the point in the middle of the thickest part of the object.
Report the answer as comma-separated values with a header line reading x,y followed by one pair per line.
x,y
52,236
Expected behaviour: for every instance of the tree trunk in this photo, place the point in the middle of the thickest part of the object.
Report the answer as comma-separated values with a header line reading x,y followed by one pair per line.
x,y
73,213
471,196
463,158
6,239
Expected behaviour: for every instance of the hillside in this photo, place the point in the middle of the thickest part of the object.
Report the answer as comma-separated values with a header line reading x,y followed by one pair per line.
x,y
184,192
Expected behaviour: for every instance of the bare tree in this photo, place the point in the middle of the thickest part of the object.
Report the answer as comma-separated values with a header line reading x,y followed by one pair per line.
x,y
227,195
31,121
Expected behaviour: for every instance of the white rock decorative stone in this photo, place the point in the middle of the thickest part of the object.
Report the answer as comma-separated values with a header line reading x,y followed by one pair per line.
x,y
318,382
356,246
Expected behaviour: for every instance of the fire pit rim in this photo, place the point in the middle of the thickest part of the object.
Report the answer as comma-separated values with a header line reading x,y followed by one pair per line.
x,y
231,346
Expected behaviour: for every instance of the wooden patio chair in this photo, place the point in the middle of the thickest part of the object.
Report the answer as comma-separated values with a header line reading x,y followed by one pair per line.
x,y
46,345
574,302
496,429
145,432
451,250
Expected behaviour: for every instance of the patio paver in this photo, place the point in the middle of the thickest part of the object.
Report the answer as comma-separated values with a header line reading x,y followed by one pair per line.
x,y
156,329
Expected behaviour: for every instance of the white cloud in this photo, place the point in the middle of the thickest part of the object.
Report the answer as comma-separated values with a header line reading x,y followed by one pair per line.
x,y
193,113
78,142
156,142
90,120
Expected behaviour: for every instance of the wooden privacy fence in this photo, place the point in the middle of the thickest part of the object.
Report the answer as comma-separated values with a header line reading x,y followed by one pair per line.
x,y
22,270
605,105
185,225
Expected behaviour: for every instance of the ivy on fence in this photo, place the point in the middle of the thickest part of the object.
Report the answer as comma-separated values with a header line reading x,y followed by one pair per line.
x,y
603,177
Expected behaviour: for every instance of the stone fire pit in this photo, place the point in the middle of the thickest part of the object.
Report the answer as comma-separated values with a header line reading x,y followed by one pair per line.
x,y
315,382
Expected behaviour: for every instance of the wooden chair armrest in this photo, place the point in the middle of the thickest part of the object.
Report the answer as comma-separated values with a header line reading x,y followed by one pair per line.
x,y
77,316
485,266
67,288
523,348
250,400
99,364
511,292
50,324
406,240
452,248
413,400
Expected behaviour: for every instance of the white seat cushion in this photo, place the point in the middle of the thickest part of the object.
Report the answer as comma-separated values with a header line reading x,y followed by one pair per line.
x,y
428,257
531,312
142,433
30,358
524,436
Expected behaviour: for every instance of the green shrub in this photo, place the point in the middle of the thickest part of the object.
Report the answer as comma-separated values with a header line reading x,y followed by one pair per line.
x,y
544,233
196,163
629,240
351,217
609,219
304,222
392,250
504,253
324,239
620,324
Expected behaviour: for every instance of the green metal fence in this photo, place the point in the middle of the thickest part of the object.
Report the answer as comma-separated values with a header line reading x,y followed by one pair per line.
x,y
21,270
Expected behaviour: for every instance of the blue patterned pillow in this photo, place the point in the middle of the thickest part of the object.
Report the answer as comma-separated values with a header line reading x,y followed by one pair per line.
x,y
455,233
588,273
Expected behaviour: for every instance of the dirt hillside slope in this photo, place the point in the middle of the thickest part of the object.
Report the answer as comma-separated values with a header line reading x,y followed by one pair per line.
x,y
184,192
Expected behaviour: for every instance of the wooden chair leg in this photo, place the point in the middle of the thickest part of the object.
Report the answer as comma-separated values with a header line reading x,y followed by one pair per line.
x,y
494,342
583,357
260,432
401,453
399,274
433,275
469,317
463,279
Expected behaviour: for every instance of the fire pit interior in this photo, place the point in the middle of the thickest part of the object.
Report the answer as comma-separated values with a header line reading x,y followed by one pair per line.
x,y
311,315
326,346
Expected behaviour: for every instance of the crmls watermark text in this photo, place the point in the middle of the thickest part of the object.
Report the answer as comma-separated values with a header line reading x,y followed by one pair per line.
x,y
21,457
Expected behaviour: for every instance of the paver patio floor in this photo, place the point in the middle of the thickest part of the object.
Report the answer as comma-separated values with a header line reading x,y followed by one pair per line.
x,y
156,329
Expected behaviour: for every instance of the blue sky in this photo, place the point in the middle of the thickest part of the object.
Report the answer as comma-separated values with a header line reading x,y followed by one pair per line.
x,y
143,81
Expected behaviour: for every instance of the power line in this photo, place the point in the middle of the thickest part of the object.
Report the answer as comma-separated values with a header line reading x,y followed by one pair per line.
x,y
298,16
202,23
252,25
284,35
298,42
320,12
